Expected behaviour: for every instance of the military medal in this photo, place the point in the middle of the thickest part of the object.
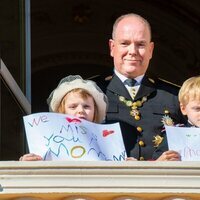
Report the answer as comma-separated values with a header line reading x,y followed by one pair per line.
x,y
167,120
157,140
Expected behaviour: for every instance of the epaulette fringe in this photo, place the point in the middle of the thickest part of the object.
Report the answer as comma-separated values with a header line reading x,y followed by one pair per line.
x,y
169,82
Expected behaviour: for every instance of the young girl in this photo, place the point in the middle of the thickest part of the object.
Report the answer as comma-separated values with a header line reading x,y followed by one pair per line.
x,y
77,97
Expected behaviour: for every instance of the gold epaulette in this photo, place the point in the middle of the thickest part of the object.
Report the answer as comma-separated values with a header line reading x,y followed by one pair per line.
x,y
108,78
151,80
165,81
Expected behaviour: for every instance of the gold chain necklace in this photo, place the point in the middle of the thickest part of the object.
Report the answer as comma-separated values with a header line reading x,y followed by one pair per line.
x,y
134,106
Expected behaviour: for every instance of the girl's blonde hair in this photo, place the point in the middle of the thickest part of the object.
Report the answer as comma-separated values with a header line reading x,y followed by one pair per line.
x,y
190,90
83,94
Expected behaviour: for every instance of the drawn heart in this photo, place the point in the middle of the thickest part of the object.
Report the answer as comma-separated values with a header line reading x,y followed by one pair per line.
x,y
70,120
107,132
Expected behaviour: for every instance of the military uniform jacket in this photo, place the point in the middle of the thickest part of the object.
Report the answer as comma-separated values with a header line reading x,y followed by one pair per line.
x,y
138,135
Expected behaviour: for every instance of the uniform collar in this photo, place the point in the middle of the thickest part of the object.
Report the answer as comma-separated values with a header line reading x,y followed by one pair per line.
x,y
146,88
123,78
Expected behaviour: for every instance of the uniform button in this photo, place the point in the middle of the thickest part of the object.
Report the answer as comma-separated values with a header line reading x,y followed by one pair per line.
x,y
137,117
141,158
139,129
166,112
141,143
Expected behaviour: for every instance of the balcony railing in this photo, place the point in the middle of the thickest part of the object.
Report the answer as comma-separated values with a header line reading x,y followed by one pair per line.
x,y
71,180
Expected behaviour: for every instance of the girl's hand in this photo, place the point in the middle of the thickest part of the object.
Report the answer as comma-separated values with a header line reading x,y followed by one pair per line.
x,y
30,157
131,159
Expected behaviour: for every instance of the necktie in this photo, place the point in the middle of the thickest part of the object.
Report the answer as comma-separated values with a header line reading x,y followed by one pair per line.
x,y
131,83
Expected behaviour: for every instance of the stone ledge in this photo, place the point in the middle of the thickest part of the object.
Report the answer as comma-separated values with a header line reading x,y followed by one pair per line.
x,y
99,180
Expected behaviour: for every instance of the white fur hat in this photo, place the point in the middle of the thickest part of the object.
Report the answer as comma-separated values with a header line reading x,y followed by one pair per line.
x,y
75,81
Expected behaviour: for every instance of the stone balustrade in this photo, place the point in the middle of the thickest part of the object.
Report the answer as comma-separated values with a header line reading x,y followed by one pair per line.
x,y
78,180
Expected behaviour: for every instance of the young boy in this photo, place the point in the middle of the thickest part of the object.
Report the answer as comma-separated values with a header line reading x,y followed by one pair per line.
x,y
77,97
189,99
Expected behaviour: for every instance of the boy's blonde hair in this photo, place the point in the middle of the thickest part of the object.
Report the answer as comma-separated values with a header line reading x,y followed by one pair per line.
x,y
190,90
83,94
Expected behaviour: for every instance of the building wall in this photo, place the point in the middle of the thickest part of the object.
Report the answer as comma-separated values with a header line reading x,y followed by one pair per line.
x,y
13,80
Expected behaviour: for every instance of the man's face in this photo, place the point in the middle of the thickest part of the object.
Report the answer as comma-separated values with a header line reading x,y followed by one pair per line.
x,y
131,48
192,110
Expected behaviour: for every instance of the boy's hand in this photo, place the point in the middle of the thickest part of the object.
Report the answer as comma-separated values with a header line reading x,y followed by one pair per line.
x,y
170,156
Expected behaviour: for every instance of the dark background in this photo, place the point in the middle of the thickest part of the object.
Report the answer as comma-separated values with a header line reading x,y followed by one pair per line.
x,y
71,37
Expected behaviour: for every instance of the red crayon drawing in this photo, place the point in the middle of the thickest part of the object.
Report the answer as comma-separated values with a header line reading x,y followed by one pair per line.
x,y
107,132
73,120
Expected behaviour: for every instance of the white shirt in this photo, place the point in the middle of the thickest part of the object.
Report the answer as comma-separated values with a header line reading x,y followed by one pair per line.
x,y
129,88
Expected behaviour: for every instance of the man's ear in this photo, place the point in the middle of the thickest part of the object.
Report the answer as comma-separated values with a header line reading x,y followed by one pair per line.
x,y
111,45
151,49
183,110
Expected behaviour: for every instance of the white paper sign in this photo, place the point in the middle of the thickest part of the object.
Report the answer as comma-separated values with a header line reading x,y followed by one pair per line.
x,y
185,140
63,137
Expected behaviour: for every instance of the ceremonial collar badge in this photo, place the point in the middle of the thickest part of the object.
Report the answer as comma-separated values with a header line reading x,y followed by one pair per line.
x,y
134,105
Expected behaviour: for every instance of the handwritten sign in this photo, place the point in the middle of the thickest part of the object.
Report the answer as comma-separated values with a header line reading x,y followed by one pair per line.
x,y
57,136
184,140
